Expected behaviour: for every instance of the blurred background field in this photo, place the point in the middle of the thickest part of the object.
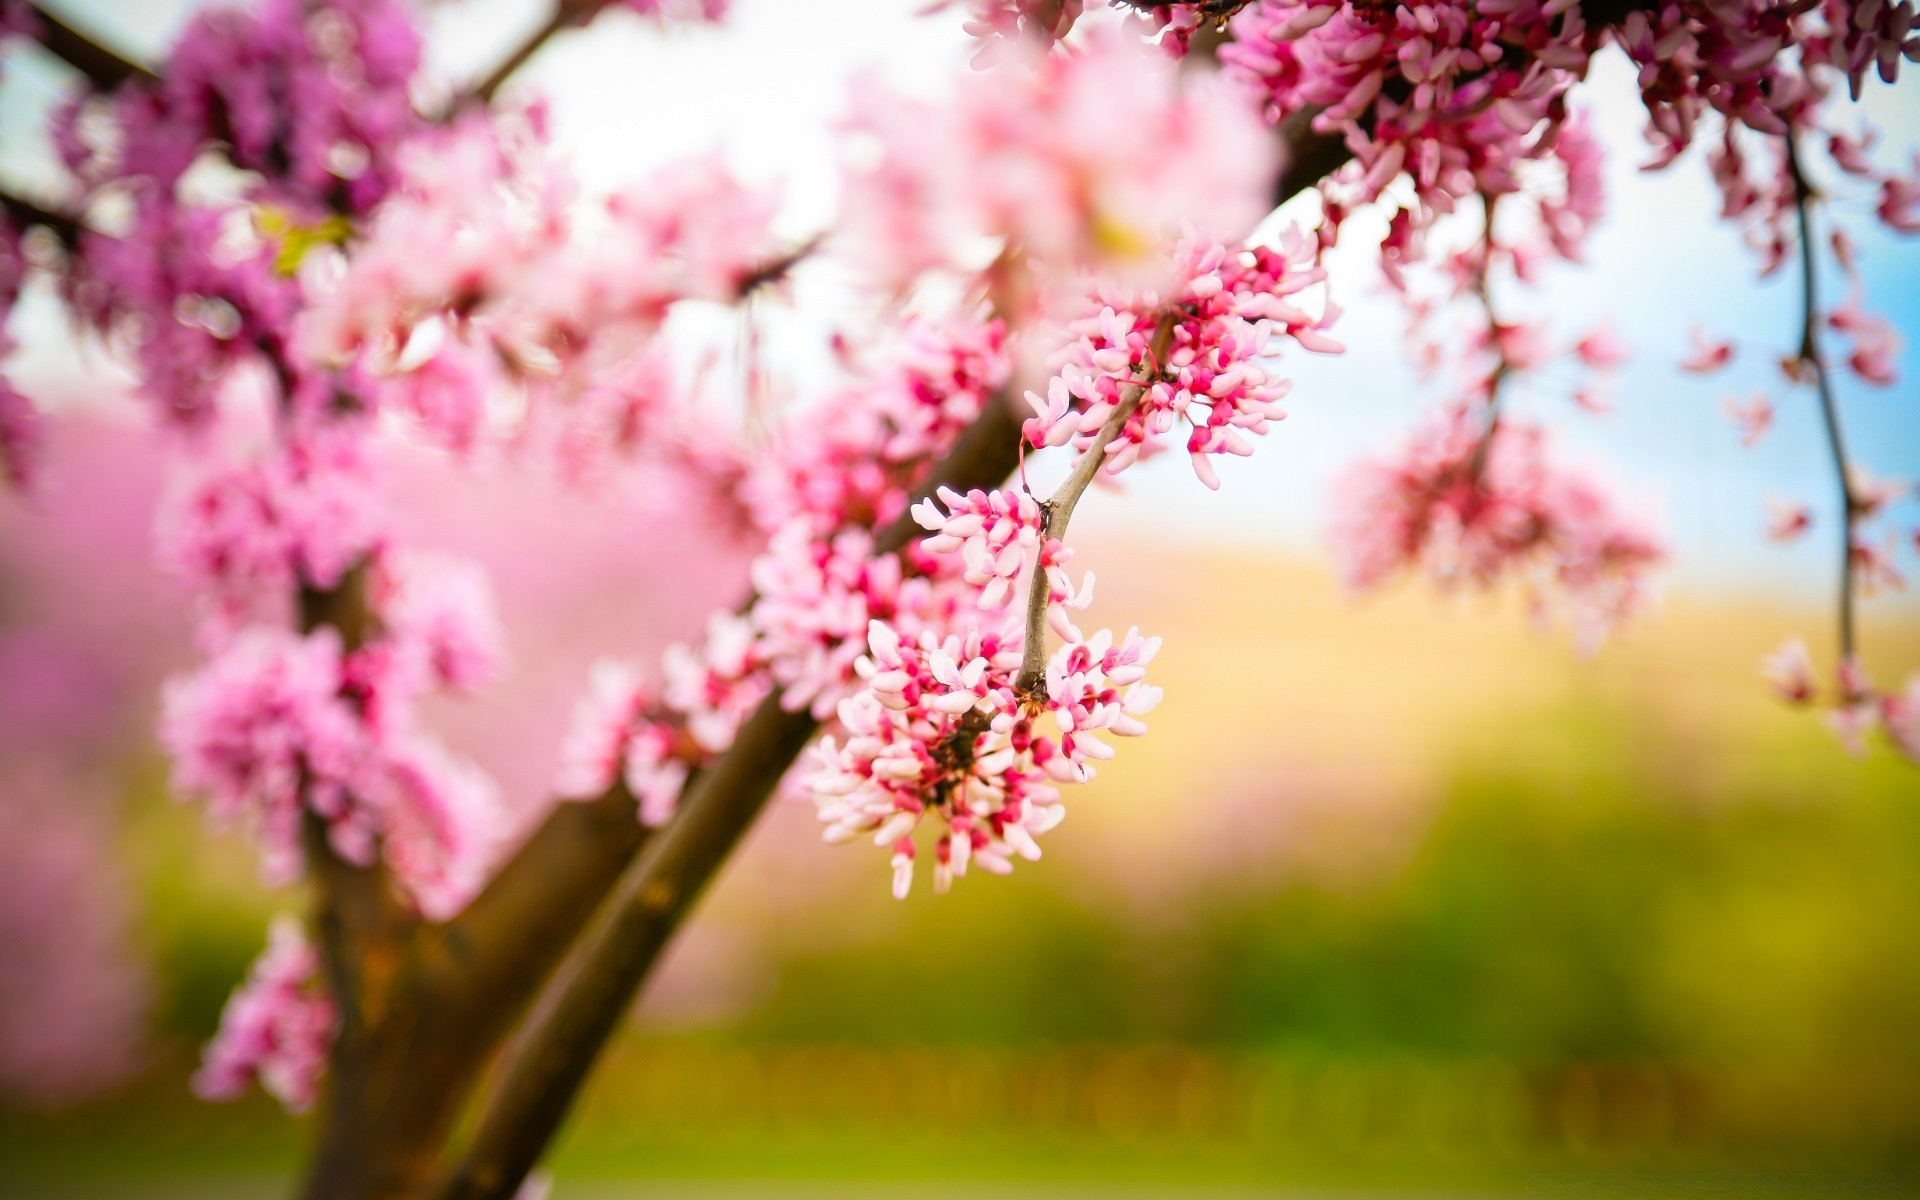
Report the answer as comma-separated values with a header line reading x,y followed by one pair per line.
x,y
1402,897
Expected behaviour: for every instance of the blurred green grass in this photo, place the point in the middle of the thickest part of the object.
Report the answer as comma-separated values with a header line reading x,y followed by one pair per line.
x,y
1404,901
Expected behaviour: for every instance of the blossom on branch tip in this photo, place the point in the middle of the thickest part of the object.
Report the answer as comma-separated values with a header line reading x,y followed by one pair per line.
x,y
1228,312
942,733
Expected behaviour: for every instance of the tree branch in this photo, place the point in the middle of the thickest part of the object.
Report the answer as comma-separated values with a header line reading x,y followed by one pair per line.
x,y
581,1005
104,68
1810,357
25,213
579,1009
566,14
1059,507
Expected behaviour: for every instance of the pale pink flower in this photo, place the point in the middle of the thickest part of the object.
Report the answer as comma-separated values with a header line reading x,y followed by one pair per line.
x,y
603,719
443,823
1876,347
261,731
1900,717
1753,418
1709,354
1787,519
439,611
1790,672
1471,503
1601,348
1229,311
1085,159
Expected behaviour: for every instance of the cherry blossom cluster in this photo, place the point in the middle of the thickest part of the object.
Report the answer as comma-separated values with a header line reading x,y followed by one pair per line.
x,y
1085,159
1455,95
1473,500
1228,312
247,531
829,474
1853,704
945,731
279,727
850,459
312,105
489,234
276,1027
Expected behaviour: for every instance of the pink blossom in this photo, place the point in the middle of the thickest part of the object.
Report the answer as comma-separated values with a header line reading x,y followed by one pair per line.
x,y
1426,91
1601,348
852,457
998,536
941,733
603,719
713,686
1790,672
443,824
1900,201
249,531
439,611
1227,312
815,597
1471,503
1753,419
261,731
1876,347
1085,159
1708,354
1900,717
1787,520
276,1027
1873,566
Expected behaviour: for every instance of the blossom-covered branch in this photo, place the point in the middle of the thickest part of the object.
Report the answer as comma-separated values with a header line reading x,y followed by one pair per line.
x,y
1057,509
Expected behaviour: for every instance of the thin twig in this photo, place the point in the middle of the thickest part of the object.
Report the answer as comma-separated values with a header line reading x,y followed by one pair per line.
x,y
26,213
104,68
566,14
1811,358
1059,506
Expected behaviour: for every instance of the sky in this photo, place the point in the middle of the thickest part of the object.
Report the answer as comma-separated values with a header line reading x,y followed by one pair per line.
x,y
769,87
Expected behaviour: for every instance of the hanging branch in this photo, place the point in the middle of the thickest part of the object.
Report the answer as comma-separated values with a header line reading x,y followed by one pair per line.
x,y
104,68
1810,358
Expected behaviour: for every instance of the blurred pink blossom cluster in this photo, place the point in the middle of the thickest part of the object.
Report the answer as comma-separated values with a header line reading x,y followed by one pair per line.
x,y
1085,159
1470,505
276,1026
